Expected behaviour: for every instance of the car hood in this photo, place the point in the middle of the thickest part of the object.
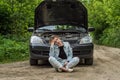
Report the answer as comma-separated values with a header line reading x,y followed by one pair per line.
x,y
58,12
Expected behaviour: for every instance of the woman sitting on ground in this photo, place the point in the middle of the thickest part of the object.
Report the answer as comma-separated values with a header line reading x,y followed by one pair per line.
x,y
61,55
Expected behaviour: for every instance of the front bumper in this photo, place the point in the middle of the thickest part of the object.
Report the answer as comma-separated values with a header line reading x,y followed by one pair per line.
x,y
81,51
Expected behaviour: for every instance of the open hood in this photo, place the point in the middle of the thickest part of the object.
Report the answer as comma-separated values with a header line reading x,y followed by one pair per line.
x,y
61,12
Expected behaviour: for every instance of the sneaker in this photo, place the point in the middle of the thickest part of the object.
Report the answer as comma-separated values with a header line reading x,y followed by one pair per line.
x,y
70,70
64,70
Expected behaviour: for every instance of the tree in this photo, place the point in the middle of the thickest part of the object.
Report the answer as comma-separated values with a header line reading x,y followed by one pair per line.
x,y
21,15
104,16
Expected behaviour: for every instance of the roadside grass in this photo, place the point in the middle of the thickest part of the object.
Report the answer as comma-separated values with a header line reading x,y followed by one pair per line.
x,y
14,48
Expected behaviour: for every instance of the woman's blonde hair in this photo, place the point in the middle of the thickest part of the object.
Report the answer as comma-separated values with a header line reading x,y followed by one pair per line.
x,y
53,37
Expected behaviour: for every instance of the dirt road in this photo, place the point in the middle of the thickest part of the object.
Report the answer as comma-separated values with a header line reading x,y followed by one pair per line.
x,y
106,67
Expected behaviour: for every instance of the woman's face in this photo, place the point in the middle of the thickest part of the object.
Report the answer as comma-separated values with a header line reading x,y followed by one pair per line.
x,y
58,42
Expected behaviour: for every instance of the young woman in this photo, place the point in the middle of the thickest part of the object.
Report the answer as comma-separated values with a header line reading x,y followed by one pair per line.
x,y
61,56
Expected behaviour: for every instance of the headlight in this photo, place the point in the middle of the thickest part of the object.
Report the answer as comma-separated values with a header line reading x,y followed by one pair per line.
x,y
36,40
86,39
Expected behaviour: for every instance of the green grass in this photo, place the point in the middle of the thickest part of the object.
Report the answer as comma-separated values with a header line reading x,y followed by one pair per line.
x,y
14,48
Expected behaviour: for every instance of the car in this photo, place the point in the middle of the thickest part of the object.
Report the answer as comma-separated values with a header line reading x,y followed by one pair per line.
x,y
67,19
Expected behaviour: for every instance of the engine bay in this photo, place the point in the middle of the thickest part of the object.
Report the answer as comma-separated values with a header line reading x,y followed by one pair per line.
x,y
71,37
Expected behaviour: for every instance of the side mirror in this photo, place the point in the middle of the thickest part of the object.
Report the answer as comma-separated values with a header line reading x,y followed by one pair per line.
x,y
30,29
91,29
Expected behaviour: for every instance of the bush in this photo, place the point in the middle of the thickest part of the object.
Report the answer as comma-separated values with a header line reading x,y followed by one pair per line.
x,y
105,17
14,48
111,37
5,19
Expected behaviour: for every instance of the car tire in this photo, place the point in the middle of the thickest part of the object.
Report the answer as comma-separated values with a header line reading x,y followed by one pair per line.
x,y
33,62
89,61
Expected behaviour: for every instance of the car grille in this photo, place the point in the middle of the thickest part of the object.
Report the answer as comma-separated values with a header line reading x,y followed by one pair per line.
x,y
75,53
44,53
83,52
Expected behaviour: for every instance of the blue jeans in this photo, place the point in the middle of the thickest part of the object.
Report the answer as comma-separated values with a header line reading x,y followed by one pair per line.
x,y
58,64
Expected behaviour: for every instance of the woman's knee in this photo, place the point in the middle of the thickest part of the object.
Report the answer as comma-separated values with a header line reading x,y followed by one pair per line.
x,y
51,58
77,59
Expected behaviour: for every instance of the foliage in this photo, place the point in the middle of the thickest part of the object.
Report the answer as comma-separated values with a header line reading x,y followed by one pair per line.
x,y
105,17
14,48
5,18
17,15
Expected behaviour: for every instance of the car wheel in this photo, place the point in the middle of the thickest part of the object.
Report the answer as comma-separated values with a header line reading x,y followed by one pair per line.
x,y
89,61
33,62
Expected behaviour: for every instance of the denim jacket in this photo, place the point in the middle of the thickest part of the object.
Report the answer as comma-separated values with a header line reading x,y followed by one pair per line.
x,y
54,51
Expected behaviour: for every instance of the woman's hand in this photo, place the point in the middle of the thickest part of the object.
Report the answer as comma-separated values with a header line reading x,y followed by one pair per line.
x,y
66,63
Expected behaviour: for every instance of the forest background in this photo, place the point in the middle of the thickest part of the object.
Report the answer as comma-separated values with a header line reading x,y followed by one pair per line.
x,y
16,16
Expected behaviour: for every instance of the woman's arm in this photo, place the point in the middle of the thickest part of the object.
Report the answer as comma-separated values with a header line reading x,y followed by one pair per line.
x,y
51,53
70,53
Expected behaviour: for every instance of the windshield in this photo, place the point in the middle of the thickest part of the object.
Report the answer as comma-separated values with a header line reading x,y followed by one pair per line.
x,y
61,27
